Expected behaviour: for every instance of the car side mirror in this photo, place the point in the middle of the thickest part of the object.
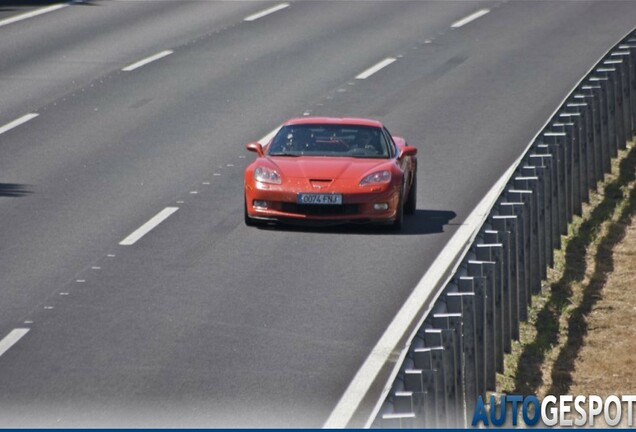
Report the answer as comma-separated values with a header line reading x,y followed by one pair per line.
x,y
408,151
255,147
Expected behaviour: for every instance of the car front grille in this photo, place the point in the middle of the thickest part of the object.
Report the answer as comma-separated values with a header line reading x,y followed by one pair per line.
x,y
318,210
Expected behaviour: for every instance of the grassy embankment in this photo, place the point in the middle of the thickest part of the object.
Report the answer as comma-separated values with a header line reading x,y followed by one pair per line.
x,y
578,339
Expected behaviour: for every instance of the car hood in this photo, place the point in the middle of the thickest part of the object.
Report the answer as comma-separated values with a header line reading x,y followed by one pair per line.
x,y
331,168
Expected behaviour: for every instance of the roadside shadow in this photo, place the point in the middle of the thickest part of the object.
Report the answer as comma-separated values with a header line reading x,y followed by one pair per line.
x,y
420,223
427,221
14,190
529,374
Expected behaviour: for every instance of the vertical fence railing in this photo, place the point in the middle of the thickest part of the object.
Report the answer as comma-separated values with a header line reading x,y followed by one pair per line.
x,y
456,354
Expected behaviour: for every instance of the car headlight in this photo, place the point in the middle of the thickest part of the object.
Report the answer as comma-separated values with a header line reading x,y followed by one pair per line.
x,y
378,177
267,175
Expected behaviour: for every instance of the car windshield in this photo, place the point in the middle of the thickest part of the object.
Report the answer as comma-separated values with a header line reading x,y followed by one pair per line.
x,y
330,140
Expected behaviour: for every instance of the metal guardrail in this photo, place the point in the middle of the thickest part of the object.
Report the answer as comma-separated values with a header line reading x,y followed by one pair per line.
x,y
455,355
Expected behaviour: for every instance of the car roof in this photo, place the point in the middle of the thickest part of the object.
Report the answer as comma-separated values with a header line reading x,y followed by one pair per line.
x,y
333,121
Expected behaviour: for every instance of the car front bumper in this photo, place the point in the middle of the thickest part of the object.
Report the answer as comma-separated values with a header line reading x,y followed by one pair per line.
x,y
282,206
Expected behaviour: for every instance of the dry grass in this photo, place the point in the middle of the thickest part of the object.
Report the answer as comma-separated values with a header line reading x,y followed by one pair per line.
x,y
578,339
606,363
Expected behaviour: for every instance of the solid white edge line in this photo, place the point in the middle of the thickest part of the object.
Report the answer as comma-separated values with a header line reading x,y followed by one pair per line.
x,y
375,68
148,226
17,122
147,60
9,340
32,14
336,419
266,12
469,18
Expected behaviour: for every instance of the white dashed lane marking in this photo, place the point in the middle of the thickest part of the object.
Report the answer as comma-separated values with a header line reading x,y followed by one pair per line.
x,y
147,60
469,18
12,338
148,226
375,68
17,122
32,14
266,12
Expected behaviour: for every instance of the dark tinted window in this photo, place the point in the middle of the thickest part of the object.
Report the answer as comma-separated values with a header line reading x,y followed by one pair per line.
x,y
330,140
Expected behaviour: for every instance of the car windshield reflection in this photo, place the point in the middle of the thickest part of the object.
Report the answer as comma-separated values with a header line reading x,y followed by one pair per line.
x,y
329,140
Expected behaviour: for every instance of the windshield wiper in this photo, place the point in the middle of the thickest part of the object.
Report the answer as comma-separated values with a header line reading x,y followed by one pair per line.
x,y
285,154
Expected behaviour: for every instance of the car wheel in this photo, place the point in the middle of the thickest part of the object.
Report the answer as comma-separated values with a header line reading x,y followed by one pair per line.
x,y
411,201
248,220
399,217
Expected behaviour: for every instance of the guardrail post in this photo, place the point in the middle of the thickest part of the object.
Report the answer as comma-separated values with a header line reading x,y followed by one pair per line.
x,y
401,400
450,325
614,66
555,141
421,384
464,303
630,44
600,87
532,183
398,421
588,156
518,209
527,198
493,253
607,119
587,170
572,124
444,361
555,227
506,226
540,166
496,236
625,67
483,274
430,359
567,141
609,75
589,94
469,284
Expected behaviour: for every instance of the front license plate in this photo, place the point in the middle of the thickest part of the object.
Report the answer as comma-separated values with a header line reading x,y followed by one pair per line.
x,y
324,199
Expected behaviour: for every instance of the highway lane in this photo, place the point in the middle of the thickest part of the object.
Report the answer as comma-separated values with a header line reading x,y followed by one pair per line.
x,y
206,322
97,161
17,10
109,158
46,58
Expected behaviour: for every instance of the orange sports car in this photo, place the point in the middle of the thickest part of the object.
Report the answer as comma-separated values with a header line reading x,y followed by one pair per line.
x,y
318,170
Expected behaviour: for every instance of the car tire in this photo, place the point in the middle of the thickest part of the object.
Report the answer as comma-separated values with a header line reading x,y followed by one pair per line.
x,y
411,201
399,217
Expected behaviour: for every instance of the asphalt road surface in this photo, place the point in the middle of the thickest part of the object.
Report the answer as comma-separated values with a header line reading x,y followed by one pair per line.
x,y
112,112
